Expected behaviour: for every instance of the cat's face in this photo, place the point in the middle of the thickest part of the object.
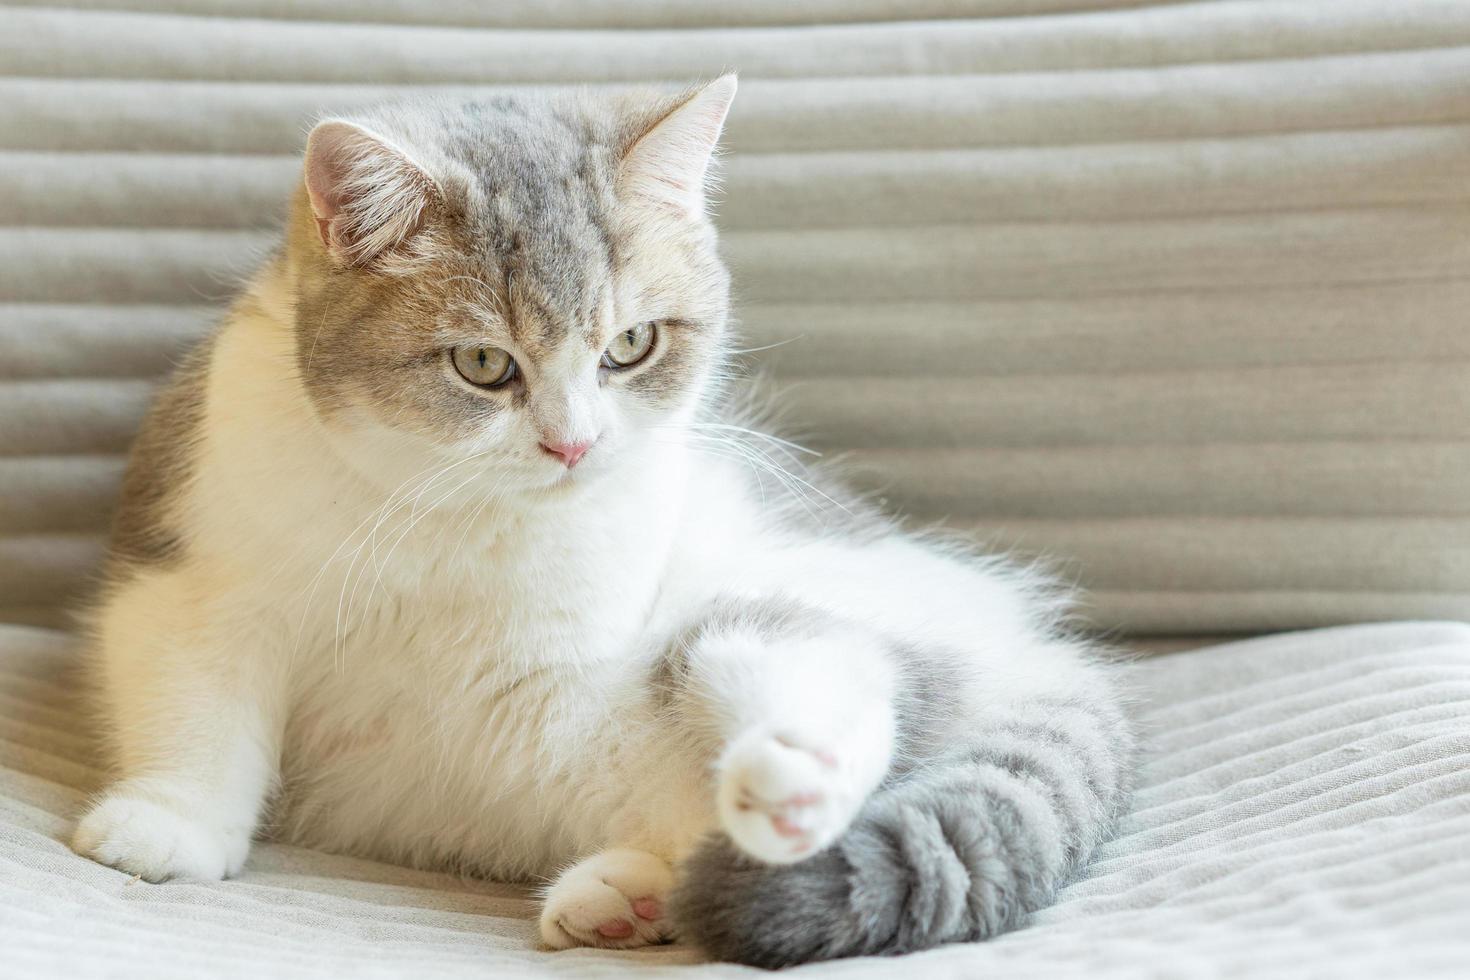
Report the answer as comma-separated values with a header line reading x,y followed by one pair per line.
x,y
534,286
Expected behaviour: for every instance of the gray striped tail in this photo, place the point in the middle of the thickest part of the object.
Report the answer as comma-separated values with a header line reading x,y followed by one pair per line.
x,y
955,850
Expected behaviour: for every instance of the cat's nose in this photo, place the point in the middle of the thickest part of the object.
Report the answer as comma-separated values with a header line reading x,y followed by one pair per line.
x,y
569,452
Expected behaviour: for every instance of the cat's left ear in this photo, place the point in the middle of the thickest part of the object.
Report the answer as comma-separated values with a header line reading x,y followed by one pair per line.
x,y
669,164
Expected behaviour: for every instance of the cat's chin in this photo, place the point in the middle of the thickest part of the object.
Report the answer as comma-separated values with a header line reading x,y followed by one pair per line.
x,y
567,482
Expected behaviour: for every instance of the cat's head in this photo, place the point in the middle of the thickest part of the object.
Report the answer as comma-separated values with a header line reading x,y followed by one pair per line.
x,y
530,281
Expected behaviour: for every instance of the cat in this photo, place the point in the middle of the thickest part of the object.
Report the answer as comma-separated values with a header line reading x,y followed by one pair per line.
x,y
448,548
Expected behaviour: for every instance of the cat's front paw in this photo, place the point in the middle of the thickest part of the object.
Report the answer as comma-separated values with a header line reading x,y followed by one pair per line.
x,y
146,839
615,899
781,798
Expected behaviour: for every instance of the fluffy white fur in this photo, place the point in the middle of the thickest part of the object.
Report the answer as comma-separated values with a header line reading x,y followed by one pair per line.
x,y
369,646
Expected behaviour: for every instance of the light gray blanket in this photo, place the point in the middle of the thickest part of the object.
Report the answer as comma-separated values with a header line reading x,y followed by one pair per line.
x,y
1304,811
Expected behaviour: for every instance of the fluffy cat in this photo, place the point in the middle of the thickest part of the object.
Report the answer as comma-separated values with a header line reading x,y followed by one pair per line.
x,y
443,550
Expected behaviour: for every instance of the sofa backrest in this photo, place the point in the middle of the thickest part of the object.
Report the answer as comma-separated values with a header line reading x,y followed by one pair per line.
x,y
1173,293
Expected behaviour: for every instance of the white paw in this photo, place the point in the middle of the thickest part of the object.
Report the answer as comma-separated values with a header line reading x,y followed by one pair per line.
x,y
781,799
145,839
615,899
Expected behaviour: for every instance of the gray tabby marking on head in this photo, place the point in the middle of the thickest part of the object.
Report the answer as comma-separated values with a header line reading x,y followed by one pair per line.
x,y
517,218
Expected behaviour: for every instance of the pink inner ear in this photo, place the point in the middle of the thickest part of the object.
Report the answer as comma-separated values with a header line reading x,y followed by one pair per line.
x,y
365,194
670,162
326,171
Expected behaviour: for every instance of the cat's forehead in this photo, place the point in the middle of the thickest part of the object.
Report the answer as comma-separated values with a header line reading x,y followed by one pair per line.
x,y
514,307
544,287
537,218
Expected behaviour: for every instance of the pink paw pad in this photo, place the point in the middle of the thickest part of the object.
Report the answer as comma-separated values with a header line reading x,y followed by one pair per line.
x,y
648,908
616,929
785,827
782,822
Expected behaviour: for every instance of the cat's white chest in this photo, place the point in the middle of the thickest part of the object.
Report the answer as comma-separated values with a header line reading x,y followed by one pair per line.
x,y
464,704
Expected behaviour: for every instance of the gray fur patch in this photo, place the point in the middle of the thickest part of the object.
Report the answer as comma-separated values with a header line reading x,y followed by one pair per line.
x,y
162,461
925,708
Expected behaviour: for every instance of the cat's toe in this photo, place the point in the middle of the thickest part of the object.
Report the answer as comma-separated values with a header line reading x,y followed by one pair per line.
x,y
143,838
613,900
781,800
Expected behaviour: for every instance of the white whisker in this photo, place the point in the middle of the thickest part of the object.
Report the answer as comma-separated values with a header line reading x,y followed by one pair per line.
x,y
757,350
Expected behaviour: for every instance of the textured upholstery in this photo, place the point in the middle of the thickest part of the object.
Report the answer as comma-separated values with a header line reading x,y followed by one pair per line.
x,y
1304,811
1173,293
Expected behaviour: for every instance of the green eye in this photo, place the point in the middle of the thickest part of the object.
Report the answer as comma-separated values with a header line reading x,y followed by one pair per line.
x,y
488,367
630,346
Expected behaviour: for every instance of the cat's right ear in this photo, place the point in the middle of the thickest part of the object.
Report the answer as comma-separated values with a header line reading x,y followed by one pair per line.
x,y
367,195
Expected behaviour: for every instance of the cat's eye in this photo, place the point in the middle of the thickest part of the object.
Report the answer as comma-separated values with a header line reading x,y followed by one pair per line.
x,y
630,346
488,367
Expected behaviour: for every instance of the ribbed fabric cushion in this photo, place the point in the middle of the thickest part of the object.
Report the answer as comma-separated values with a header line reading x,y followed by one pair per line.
x,y
1304,811
1173,293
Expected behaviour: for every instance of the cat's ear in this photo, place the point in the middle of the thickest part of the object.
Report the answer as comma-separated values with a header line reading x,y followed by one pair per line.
x,y
367,195
669,163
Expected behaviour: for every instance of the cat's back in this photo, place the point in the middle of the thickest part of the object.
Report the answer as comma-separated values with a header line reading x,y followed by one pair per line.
x,y
169,459
161,462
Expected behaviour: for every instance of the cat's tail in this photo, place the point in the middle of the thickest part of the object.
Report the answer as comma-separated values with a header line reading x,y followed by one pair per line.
x,y
957,850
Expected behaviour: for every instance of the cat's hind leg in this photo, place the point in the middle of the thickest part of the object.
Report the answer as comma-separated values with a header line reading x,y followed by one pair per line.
x,y
614,899
801,705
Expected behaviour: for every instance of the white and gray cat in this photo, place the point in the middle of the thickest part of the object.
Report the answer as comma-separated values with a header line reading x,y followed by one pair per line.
x,y
443,550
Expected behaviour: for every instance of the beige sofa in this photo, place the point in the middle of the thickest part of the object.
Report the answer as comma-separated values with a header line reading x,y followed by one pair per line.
x,y
1174,294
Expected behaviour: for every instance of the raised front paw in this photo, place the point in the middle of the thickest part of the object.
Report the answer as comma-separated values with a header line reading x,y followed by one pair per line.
x,y
781,798
614,899
146,839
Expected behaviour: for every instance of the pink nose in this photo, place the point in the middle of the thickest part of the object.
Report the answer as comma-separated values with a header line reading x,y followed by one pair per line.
x,y
569,452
